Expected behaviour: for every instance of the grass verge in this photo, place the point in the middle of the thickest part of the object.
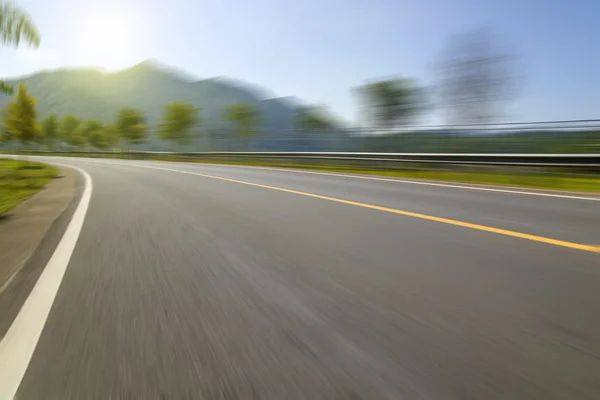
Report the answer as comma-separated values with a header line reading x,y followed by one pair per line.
x,y
20,180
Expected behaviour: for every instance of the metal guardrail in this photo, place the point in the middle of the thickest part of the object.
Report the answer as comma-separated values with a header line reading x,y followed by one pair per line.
x,y
531,160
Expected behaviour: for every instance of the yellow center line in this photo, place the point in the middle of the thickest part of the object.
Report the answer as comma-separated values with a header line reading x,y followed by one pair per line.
x,y
448,221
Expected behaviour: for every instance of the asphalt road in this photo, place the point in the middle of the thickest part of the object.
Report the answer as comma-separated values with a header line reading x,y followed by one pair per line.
x,y
185,286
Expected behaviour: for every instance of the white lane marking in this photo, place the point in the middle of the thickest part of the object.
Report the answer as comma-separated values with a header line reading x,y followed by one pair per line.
x,y
415,182
372,178
394,180
17,347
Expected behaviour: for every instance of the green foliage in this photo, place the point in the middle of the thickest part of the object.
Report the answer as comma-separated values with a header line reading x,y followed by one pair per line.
x,y
70,130
529,141
111,136
93,133
50,129
92,125
178,121
244,117
392,102
78,139
130,124
98,139
15,26
312,119
93,93
20,118
5,88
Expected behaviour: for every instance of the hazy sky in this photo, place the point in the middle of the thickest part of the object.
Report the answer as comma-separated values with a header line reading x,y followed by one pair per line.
x,y
319,49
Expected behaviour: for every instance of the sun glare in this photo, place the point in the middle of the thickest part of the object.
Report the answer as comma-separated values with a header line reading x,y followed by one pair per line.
x,y
109,37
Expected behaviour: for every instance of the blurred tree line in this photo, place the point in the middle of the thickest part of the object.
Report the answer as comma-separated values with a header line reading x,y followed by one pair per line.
x,y
475,78
179,125
530,141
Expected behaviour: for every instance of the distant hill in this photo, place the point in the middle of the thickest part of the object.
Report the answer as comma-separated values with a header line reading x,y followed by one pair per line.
x,y
93,93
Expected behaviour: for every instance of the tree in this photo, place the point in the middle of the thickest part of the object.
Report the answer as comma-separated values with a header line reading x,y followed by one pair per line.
x,y
40,139
243,116
93,132
392,102
178,121
78,138
15,26
98,139
111,136
70,131
475,78
50,129
130,124
312,119
20,118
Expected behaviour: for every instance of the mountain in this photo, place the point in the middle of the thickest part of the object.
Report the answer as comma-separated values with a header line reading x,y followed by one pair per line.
x,y
148,86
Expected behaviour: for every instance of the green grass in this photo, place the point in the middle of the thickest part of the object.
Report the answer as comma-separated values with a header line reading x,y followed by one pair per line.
x,y
20,180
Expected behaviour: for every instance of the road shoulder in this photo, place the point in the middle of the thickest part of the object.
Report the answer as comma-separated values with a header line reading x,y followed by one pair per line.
x,y
27,237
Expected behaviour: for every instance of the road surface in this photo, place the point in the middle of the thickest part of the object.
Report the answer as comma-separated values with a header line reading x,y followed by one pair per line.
x,y
193,281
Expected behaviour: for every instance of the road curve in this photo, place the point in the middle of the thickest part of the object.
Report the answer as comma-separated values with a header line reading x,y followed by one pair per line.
x,y
218,282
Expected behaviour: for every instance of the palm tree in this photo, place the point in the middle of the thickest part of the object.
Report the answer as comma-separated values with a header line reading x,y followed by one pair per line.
x,y
16,26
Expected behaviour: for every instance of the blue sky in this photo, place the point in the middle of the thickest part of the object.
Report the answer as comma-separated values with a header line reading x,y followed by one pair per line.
x,y
319,50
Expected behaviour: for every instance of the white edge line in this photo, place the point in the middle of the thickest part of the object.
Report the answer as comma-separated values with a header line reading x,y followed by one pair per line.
x,y
372,178
17,347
